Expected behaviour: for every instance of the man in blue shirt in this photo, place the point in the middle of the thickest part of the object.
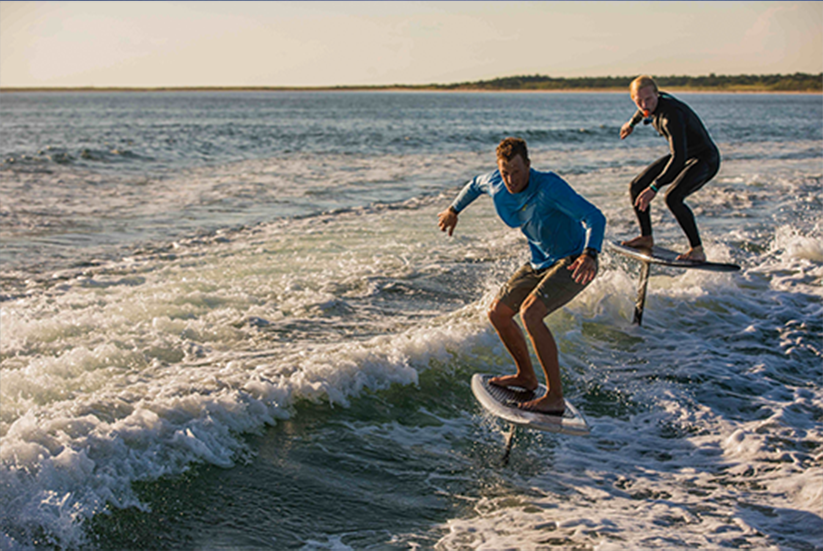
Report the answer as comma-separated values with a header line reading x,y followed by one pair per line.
x,y
565,234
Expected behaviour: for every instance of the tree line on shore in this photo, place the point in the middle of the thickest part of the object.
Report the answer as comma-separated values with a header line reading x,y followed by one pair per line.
x,y
797,82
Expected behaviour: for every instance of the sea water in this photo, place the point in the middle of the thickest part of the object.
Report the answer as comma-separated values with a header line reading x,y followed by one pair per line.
x,y
229,321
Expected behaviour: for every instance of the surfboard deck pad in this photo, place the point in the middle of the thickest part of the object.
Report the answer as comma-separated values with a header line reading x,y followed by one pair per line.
x,y
502,402
666,257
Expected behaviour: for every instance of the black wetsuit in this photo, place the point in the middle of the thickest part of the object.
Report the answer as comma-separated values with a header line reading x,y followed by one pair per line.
x,y
693,161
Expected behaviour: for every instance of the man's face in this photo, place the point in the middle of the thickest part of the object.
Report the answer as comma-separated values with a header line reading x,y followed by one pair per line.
x,y
515,173
646,100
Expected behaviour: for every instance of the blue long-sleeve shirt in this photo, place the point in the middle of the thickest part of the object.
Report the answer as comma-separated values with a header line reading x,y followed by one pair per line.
x,y
556,220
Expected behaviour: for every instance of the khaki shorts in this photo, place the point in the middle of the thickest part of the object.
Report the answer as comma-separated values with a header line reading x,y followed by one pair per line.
x,y
553,285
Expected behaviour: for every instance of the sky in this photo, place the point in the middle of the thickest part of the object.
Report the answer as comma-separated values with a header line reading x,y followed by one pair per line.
x,y
153,44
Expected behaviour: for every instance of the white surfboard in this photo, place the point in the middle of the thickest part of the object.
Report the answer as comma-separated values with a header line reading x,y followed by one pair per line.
x,y
502,402
665,257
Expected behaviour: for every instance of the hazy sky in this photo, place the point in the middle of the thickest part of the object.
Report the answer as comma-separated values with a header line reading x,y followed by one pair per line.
x,y
347,43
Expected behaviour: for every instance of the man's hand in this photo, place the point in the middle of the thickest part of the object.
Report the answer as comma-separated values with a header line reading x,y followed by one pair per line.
x,y
585,268
447,220
625,130
645,197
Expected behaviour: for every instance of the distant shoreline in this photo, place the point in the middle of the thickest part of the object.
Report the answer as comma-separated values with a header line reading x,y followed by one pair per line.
x,y
795,83
115,89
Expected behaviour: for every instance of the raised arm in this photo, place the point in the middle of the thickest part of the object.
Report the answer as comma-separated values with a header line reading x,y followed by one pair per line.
x,y
628,127
447,220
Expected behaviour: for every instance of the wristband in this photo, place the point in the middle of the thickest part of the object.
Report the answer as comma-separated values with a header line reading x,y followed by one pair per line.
x,y
591,252
653,187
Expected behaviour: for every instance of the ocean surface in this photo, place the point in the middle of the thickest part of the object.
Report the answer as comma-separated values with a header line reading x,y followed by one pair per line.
x,y
229,321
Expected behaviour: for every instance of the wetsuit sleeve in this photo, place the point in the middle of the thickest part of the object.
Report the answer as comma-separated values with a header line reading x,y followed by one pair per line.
x,y
674,126
636,118
574,205
471,191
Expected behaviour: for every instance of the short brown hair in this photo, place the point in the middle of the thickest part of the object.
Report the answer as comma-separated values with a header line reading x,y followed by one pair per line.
x,y
641,82
510,148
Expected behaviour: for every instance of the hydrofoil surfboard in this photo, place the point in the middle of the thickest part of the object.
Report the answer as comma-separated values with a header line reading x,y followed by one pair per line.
x,y
663,257
502,402
666,257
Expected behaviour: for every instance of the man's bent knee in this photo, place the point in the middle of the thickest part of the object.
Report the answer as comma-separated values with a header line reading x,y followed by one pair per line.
x,y
500,313
673,200
533,312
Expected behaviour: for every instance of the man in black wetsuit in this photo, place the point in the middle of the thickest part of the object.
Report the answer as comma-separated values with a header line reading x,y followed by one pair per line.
x,y
693,160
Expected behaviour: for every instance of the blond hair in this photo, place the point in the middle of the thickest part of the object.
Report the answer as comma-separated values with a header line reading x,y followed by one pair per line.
x,y
641,82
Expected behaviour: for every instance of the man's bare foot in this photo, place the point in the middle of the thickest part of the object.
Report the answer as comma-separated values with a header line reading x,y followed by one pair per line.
x,y
545,404
694,254
518,380
640,242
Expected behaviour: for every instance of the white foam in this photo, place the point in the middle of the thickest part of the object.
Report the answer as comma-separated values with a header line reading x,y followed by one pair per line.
x,y
135,369
117,382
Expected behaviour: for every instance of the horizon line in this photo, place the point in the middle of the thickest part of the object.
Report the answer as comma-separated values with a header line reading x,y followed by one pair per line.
x,y
396,86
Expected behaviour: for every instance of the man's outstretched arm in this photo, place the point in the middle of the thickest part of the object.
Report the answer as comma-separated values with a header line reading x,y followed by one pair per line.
x,y
447,220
